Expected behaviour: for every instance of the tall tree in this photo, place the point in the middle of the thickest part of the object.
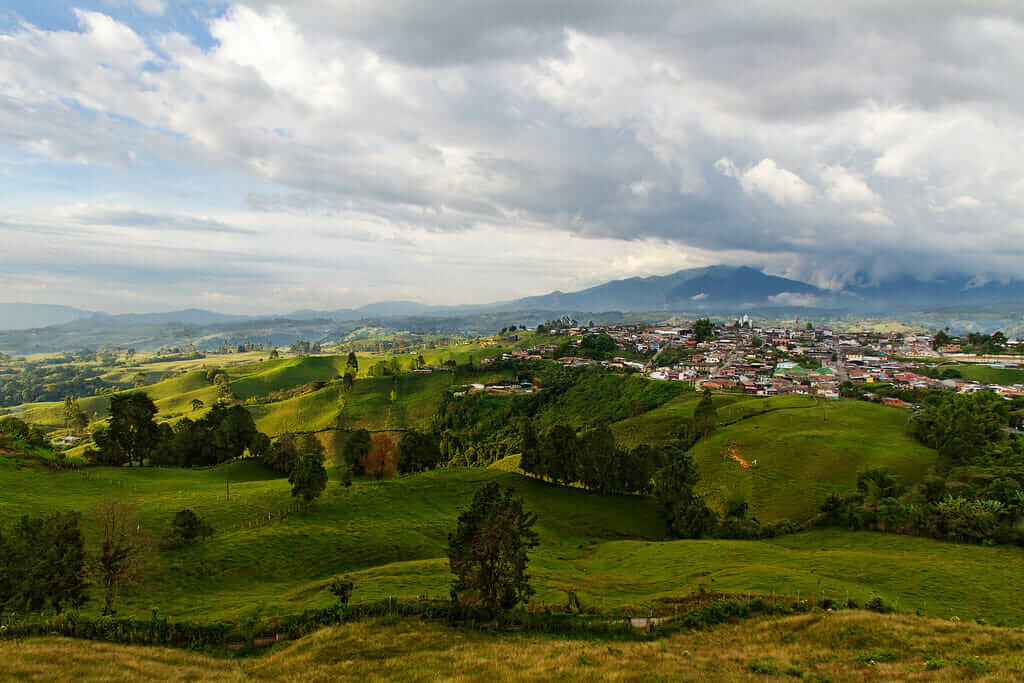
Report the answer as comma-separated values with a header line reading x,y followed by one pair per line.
x,y
705,415
685,513
352,363
308,478
132,430
356,448
488,552
419,452
282,455
382,459
310,447
117,562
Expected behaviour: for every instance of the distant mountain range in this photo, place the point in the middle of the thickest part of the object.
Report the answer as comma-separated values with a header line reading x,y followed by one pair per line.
x,y
715,290
18,316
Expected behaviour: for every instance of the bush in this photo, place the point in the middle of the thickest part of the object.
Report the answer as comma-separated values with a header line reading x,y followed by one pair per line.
x,y
877,604
341,588
186,529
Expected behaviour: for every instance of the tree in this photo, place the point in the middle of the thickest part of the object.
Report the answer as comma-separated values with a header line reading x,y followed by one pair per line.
x,y
308,478
599,461
223,385
310,447
704,415
43,563
348,381
941,339
139,380
703,330
488,552
686,514
560,454
117,562
186,529
356,448
132,430
382,459
352,363
274,354
341,588
419,452
282,455
197,404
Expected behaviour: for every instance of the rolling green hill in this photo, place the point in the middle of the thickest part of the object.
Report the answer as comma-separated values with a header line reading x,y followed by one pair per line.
x,y
275,375
804,449
801,454
390,538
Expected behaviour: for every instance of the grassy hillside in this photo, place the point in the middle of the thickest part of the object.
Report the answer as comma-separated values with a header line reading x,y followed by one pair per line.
x,y
275,375
602,397
390,538
990,375
805,452
844,646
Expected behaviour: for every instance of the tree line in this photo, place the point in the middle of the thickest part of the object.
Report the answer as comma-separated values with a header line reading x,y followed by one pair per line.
x,y
133,437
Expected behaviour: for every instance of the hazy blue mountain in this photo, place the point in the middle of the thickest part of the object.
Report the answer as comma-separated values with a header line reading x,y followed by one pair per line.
x,y
189,316
19,316
684,290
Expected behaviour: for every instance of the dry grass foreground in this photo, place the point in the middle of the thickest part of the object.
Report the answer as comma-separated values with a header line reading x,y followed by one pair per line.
x,y
839,646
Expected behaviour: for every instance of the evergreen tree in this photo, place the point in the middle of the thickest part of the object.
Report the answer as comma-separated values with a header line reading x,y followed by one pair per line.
x,y
488,552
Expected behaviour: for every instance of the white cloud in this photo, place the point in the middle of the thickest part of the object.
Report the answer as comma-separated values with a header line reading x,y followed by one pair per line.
x,y
781,186
845,187
965,202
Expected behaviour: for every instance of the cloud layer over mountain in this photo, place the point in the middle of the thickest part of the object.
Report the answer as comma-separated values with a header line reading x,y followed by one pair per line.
x,y
330,154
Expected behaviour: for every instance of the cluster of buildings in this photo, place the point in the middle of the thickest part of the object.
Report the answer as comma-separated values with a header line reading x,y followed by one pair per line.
x,y
769,361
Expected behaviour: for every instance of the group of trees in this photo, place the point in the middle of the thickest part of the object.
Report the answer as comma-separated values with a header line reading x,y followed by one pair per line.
x,y
565,322
45,381
44,564
703,330
74,418
301,458
966,428
132,437
591,459
985,508
378,456
15,429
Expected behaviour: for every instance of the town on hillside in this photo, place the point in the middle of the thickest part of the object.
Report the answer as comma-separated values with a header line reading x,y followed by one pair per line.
x,y
793,359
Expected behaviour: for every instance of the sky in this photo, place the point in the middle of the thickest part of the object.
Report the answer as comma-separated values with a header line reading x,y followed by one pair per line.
x,y
260,157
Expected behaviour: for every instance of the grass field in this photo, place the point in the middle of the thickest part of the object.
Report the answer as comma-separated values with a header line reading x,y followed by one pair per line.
x,y
390,538
989,375
841,646
805,449
804,452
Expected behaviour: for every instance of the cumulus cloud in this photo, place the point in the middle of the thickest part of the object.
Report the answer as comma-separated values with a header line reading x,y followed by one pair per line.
x,y
781,186
774,136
